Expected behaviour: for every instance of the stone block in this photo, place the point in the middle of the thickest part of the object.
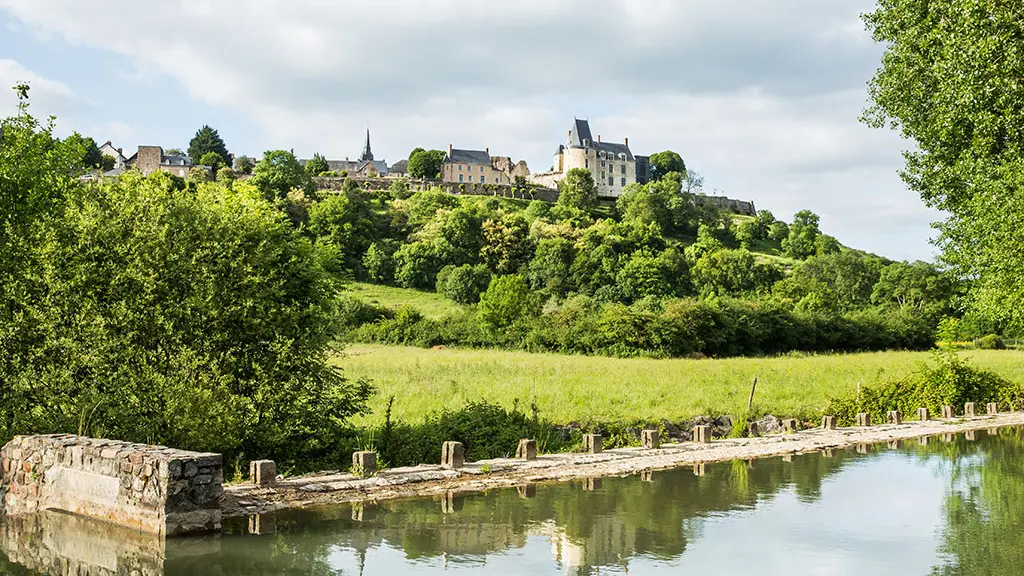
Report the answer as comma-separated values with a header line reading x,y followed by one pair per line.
x,y
971,409
863,419
992,408
364,463
829,423
527,450
261,472
895,417
922,414
593,443
947,412
453,455
702,434
863,448
650,439
791,425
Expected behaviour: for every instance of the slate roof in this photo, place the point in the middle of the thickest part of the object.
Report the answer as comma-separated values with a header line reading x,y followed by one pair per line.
x,y
616,149
468,157
402,166
579,133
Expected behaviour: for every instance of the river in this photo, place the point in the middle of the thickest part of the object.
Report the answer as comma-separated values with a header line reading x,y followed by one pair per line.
x,y
950,506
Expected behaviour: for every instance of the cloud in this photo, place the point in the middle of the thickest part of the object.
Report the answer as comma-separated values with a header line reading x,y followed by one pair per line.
x,y
49,94
761,96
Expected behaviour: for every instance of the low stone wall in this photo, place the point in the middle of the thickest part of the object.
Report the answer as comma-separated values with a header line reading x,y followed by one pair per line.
x,y
149,488
730,205
524,192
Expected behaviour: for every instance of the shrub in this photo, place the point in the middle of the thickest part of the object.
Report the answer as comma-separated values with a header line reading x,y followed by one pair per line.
x,y
990,342
463,284
507,299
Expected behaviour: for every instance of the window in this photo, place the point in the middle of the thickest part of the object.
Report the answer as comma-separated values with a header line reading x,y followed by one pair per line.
x,y
460,167
602,163
623,168
623,181
586,163
460,177
481,169
611,180
483,179
602,175
470,177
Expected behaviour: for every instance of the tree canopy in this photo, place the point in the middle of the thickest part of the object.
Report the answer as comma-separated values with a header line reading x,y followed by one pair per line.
x,y
279,172
577,190
317,165
663,163
205,141
425,163
950,82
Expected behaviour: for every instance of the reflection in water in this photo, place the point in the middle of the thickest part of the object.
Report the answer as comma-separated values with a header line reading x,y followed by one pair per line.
x,y
656,521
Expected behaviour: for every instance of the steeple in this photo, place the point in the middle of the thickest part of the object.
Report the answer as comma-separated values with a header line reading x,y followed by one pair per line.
x,y
367,154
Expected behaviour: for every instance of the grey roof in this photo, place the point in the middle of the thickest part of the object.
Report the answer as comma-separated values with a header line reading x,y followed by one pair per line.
x,y
468,157
400,166
176,161
609,147
380,166
580,132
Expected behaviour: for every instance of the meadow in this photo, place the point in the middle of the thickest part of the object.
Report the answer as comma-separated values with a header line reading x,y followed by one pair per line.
x,y
430,304
577,388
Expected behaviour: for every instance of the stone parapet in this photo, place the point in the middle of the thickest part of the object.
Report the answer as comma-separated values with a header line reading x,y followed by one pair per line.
x,y
149,488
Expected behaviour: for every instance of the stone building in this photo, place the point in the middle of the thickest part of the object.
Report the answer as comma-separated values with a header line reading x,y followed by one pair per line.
x,y
479,167
366,166
612,164
116,153
151,159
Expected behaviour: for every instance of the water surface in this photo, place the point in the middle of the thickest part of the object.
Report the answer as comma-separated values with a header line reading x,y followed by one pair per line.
x,y
952,507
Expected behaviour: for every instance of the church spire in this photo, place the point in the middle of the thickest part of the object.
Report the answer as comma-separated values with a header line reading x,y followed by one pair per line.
x,y
367,154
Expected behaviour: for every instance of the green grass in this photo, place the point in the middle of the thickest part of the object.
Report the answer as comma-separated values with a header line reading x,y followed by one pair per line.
x,y
578,388
430,304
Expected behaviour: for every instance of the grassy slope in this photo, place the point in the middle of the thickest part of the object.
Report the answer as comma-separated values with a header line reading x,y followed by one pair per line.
x,y
568,388
430,304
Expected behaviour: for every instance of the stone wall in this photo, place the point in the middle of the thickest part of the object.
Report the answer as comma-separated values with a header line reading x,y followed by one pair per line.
x,y
149,488
730,205
525,192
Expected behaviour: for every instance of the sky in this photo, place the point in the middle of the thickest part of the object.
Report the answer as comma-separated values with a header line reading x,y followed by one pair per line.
x,y
762,98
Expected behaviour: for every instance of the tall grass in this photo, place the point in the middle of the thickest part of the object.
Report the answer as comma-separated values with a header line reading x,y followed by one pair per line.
x,y
575,388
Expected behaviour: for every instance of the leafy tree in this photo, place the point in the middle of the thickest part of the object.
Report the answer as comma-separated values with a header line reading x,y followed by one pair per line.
x,y
93,157
244,165
175,152
346,221
918,286
379,263
506,244
199,175
803,234
846,278
778,231
507,299
577,190
641,276
663,163
208,140
825,244
225,175
317,165
463,284
417,265
279,172
706,243
426,163
731,272
950,81
549,268
213,160
749,232
107,163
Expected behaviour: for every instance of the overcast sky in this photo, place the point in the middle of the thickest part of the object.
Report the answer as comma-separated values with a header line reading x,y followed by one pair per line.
x,y
762,97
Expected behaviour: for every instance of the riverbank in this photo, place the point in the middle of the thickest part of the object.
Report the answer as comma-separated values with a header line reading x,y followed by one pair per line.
x,y
329,488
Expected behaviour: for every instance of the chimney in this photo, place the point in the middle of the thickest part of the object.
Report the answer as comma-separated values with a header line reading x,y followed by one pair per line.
x,y
449,150
598,138
487,151
627,142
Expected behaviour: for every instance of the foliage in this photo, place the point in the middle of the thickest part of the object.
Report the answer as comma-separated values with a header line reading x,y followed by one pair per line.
x,y
213,161
278,173
199,175
205,141
577,190
947,381
507,299
244,165
346,221
426,163
663,163
225,175
803,235
417,265
949,82
463,284
317,165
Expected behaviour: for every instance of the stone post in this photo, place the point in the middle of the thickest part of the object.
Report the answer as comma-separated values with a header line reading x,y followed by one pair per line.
x,y
863,419
895,417
790,425
922,414
527,450
992,408
971,409
650,439
947,412
702,434
263,472
593,443
828,423
698,469
364,463
453,455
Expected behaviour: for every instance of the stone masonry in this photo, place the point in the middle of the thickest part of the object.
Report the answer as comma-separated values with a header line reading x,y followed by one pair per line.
x,y
149,488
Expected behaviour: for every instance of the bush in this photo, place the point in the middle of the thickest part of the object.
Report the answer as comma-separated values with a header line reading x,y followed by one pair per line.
x,y
990,342
949,381
506,300
463,284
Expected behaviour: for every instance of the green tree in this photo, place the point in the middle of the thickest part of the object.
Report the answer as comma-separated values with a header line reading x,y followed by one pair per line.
x,y
244,165
417,265
641,276
918,286
463,284
346,221
950,82
208,140
225,175
279,172
749,232
213,160
577,190
803,235
199,175
549,268
731,272
379,263
506,245
663,163
426,163
317,165
507,299
778,231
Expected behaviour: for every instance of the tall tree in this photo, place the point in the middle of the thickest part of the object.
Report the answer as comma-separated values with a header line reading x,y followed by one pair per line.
x,y
666,162
577,190
208,140
278,173
425,163
950,81
317,165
